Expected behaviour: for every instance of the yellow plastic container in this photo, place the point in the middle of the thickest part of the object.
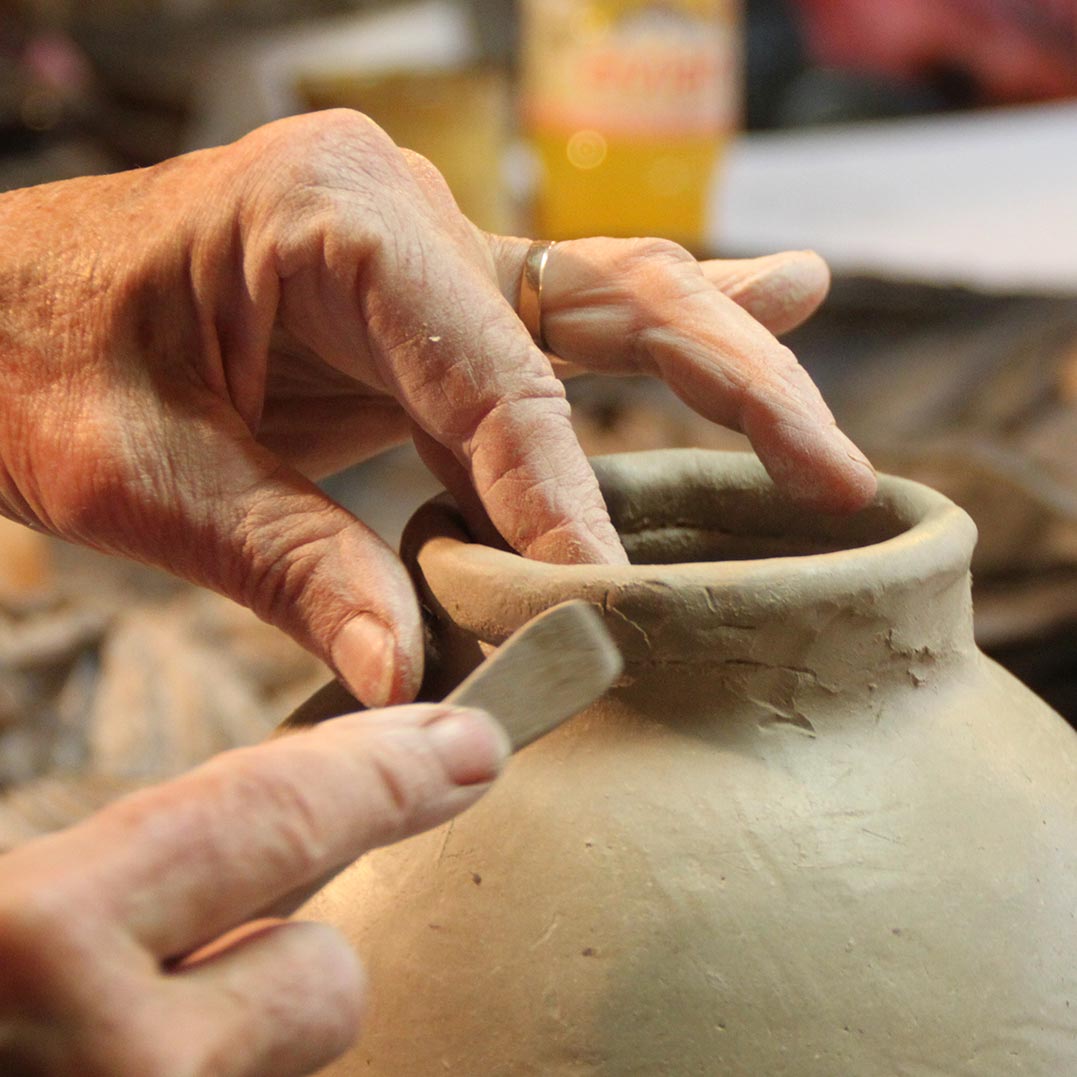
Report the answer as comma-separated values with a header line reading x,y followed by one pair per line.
x,y
628,105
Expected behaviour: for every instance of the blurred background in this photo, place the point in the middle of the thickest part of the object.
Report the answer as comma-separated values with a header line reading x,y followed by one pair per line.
x,y
927,148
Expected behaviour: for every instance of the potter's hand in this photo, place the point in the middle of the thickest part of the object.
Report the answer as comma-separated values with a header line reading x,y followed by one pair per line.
x,y
183,348
138,942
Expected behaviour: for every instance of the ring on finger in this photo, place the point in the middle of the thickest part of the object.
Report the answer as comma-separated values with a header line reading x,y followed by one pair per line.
x,y
529,305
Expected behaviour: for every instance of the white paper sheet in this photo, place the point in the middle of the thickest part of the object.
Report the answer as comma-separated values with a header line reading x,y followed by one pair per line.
x,y
986,199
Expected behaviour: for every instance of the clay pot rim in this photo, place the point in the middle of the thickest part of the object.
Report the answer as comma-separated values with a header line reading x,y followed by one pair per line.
x,y
937,539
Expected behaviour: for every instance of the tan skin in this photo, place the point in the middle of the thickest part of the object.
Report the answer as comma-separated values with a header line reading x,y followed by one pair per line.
x,y
184,350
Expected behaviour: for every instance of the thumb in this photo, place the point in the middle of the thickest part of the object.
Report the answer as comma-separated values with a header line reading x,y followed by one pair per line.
x,y
249,526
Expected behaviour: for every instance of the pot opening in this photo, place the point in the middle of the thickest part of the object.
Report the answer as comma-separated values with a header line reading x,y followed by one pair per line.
x,y
698,522
712,525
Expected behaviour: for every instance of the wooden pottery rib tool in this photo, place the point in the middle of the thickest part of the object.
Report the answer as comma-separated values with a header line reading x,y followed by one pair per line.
x,y
548,670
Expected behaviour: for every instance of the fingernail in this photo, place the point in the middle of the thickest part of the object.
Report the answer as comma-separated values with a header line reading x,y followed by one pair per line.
x,y
364,654
855,454
471,745
863,482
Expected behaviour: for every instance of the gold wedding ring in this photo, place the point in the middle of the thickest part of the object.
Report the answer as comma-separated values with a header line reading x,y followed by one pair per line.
x,y
529,306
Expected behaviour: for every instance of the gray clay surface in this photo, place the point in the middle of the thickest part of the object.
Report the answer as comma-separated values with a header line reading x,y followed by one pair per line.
x,y
812,832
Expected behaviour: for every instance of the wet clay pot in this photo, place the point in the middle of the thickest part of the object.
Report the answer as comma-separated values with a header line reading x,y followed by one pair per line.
x,y
813,832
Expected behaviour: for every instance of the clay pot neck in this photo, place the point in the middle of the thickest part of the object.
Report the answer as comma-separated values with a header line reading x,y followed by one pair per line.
x,y
727,575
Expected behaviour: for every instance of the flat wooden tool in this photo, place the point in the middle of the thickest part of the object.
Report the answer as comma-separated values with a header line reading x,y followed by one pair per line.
x,y
545,672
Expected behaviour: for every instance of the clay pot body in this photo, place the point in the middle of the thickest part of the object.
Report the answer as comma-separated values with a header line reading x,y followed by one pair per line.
x,y
813,832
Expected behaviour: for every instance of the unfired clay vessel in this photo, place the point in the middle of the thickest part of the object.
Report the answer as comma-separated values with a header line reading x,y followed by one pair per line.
x,y
813,832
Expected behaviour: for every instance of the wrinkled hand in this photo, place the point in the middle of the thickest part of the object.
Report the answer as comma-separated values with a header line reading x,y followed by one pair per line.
x,y
118,954
184,348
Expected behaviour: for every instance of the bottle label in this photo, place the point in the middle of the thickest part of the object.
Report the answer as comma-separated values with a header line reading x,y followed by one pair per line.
x,y
634,68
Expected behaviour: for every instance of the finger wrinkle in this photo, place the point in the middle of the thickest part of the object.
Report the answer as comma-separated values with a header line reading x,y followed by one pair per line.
x,y
398,796
540,515
280,558
291,813
553,520
548,456
448,388
550,398
292,831
562,545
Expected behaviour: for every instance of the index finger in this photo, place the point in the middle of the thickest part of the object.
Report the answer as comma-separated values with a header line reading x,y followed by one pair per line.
x,y
462,364
183,862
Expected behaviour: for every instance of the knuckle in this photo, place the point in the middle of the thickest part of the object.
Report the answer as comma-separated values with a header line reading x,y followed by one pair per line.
x,y
246,783
498,424
240,805
298,141
427,175
459,394
316,175
335,123
395,778
781,382
664,276
187,816
653,250
279,554
785,362
405,780
447,215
